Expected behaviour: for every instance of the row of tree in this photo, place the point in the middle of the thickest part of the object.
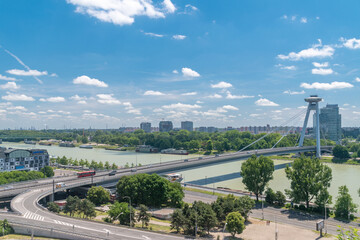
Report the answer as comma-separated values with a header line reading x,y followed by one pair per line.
x,y
93,164
73,205
18,176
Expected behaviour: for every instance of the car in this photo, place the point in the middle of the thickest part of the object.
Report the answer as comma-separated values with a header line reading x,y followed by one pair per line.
x,y
186,160
217,155
112,173
133,169
200,158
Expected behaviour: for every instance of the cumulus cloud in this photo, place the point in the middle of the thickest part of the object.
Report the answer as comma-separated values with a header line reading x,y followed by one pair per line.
x,y
77,98
352,43
17,97
107,99
230,107
10,86
221,84
230,96
85,80
215,96
153,34
316,51
303,20
179,37
2,77
121,12
322,71
188,72
293,92
153,93
189,6
357,79
326,86
52,99
189,94
175,71
286,67
30,72
265,103
19,108
181,107
130,109
320,65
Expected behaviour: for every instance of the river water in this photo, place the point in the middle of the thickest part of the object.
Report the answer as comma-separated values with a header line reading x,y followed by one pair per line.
x,y
218,175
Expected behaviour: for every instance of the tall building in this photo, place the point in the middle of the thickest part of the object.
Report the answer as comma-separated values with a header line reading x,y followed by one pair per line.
x,y
21,159
330,122
187,125
165,126
146,126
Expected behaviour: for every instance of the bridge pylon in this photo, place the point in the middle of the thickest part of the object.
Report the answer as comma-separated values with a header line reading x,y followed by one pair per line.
x,y
313,101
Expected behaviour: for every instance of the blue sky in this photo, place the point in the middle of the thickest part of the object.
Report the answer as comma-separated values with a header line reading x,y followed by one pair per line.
x,y
82,63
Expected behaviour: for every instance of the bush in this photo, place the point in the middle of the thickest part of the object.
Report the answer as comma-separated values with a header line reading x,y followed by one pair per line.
x,y
270,196
302,207
280,198
352,217
7,228
53,207
288,205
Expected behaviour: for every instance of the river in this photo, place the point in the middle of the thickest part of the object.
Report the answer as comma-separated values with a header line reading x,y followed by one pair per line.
x,y
219,175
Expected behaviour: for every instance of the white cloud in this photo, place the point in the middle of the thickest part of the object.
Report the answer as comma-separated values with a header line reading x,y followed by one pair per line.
x,y
230,96
265,103
10,86
181,106
352,43
175,71
293,92
53,75
121,12
17,97
153,93
322,71
286,67
187,72
82,102
153,34
7,78
303,20
20,108
230,107
255,115
215,96
30,72
189,94
326,86
221,84
130,109
316,51
179,37
357,79
169,6
320,65
107,99
191,7
77,98
85,80
52,99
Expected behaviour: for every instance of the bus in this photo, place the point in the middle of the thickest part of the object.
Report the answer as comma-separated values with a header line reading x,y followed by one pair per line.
x,y
86,174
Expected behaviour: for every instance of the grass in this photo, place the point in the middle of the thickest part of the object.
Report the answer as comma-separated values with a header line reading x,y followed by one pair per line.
x,y
77,215
155,227
205,192
160,220
349,161
20,236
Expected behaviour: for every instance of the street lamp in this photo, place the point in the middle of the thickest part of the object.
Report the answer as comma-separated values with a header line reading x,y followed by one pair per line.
x,y
325,214
129,207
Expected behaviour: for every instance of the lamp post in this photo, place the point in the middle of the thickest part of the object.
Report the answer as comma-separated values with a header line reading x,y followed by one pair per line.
x,y
325,214
262,207
129,207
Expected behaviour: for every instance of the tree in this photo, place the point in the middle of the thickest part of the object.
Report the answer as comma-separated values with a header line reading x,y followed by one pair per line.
x,y
344,204
308,178
256,172
177,220
340,152
114,166
244,205
7,229
206,216
120,211
87,208
143,216
350,234
209,146
235,223
72,205
107,165
53,207
270,197
98,195
175,194
47,171
280,198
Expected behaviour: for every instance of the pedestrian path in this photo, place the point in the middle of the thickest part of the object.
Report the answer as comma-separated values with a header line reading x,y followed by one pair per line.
x,y
33,216
63,223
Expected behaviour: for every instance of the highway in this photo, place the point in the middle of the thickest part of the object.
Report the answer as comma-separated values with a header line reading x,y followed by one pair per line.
x,y
30,212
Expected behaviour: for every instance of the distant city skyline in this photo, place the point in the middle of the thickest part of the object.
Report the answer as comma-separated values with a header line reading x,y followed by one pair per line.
x,y
244,63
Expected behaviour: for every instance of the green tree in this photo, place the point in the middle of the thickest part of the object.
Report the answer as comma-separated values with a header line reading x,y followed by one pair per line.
x,y
107,165
143,215
244,205
206,217
7,229
280,198
209,146
120,211
308,178
53,207
348,234
256,172
47,171
177,220
72,205
235,223
341,152
270,197
344,204
175,194
87,208
114,166
98,195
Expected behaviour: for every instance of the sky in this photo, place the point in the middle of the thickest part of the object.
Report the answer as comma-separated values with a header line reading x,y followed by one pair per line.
x,y
116,63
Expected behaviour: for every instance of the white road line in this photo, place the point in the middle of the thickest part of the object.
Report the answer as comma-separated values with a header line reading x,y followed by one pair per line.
x,y
33,216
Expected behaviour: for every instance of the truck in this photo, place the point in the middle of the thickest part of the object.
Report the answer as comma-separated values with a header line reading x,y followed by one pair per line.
x,y
60,185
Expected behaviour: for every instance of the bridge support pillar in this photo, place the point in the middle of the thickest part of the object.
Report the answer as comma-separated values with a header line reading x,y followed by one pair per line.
x,y
313,101
51,198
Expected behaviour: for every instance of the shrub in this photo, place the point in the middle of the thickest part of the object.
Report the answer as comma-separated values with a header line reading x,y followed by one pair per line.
x,y
302,207
270,196
288,205
280,198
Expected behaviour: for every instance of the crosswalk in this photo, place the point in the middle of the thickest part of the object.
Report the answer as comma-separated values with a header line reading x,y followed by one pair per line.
x,y
63,223
33,216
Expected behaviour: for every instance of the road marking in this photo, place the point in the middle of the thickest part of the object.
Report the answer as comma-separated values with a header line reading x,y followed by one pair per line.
x,y
30,215
147,238
63,223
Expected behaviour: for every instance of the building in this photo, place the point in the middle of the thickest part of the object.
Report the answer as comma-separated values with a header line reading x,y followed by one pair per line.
x,y
330,122
187,125
165,126
211,129
21,159
202,129
146,126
